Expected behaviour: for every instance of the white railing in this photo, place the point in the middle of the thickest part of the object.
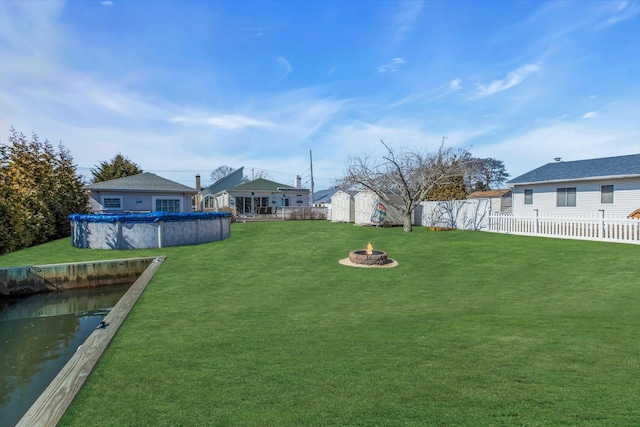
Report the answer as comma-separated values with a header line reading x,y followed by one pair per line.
x,y
611,229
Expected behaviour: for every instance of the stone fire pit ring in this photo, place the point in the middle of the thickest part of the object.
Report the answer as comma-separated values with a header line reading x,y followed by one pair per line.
x,y
374,259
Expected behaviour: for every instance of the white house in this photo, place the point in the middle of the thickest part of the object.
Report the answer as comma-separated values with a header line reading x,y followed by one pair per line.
x,y
263,195
370,210
208,194
343,207
609,186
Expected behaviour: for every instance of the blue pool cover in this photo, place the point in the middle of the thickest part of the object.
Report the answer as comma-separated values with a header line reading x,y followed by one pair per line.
x,y
147,217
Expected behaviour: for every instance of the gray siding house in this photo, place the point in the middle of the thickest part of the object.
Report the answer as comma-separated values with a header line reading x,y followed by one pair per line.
x,y
144,192
609,185
208,194
258,195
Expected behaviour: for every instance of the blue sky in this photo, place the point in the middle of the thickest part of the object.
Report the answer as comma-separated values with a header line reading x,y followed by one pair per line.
x,y
182,87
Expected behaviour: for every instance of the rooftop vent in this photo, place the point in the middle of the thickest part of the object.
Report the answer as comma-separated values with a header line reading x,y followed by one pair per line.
x,y
557,159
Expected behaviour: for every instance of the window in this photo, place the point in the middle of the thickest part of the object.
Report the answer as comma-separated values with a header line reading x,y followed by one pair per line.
x,y
112,203
528,197
566,197
260,202
166,205
209,202
606,194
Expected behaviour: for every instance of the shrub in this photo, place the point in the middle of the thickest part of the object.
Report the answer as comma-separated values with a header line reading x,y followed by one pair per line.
x,y
231,210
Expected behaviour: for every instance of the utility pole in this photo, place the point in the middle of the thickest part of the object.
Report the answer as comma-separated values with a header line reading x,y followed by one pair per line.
x,y
313,198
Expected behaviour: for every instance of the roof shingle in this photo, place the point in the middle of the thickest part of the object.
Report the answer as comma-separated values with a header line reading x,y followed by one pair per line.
x,y
145,181
583,169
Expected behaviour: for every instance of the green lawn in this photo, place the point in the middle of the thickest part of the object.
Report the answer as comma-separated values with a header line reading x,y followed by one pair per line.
x,y
268,329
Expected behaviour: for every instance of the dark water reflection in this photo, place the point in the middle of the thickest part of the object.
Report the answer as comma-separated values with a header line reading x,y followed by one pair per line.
x,y
38,335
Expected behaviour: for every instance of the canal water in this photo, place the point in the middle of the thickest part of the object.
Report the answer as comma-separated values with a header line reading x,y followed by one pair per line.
x,y
38,336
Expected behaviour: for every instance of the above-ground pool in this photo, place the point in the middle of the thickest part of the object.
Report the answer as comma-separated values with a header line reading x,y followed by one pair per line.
x,y
148,230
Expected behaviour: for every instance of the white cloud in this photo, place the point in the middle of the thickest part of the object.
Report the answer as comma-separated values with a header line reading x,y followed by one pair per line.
x,y
432,95
392,66
590,115
571,141
513,78
226,121
285,67
624,11
455,85
405,19
106,3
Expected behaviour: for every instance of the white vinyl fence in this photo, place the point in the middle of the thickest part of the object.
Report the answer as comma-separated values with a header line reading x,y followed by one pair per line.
x,y
610,229
461,214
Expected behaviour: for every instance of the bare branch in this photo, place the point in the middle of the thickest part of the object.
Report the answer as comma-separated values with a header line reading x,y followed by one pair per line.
x,y
403,178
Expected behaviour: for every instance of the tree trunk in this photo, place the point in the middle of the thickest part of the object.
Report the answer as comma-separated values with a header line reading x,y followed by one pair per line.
x,y
406,223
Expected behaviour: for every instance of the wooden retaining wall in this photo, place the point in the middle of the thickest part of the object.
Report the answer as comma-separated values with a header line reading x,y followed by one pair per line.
x,y
55,400
34,279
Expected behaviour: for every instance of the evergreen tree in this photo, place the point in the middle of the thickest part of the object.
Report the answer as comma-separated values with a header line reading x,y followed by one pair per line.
x,y
69,196
454,189
118,167
485,174
39,188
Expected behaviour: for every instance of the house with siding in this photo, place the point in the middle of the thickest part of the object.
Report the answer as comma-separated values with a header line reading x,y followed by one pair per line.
x,y
208,194
609,186
258,195
144,192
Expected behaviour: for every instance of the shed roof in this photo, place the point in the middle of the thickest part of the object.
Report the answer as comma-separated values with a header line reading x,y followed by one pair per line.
x,y
608,167
145,181
488,194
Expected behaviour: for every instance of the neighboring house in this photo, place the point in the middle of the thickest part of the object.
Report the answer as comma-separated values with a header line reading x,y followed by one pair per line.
x,y
144,192
249,197
609,185
343,208
501,200
208,194
370,210
322,199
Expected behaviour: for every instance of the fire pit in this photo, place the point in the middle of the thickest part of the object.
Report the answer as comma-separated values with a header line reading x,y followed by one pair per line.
x,y
368,258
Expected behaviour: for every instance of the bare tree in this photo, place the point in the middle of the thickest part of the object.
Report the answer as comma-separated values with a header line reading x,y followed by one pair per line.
x,y
403,178
257,174
220,172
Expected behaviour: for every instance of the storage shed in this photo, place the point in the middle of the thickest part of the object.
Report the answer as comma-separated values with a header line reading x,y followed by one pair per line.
x,y
343,206
371,210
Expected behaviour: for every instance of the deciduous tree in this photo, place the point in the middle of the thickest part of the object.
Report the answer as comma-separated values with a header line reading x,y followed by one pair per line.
x,y
220,172
406,175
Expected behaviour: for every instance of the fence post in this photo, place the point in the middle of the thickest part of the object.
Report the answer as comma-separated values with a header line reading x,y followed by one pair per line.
x,y
119,242
535,223
601,236
160,233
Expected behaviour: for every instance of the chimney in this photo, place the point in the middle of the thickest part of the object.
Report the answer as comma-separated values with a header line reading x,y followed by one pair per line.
x,y
298,182
557,159
198,182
